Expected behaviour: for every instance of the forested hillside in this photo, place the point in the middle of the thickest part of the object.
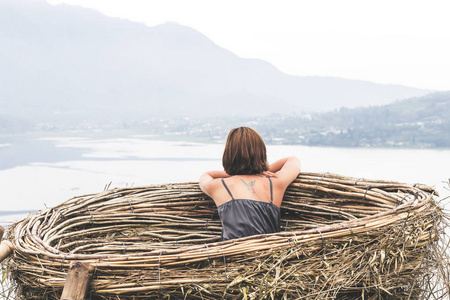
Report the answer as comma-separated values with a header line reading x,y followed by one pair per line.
x,y
416,122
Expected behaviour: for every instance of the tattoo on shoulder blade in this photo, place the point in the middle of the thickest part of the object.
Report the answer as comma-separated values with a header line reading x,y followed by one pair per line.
x,y
251,186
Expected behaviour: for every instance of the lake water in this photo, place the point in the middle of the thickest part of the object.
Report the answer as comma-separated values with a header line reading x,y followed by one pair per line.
x,y
35,173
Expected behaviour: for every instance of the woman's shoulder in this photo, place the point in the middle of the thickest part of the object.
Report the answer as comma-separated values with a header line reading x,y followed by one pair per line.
x,y
209,183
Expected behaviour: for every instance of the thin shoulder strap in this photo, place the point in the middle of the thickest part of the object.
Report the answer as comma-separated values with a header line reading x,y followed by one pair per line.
x,y
228,190
271,190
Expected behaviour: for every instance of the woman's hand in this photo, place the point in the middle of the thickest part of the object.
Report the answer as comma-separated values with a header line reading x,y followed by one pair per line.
x,y
268,174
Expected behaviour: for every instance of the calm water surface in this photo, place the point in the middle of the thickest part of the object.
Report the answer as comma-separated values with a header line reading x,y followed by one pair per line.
x,y
35,173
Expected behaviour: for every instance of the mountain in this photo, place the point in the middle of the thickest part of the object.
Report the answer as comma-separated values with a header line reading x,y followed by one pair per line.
x,y
61,63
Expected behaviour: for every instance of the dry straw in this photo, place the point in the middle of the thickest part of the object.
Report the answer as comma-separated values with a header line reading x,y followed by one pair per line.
x,y
341,238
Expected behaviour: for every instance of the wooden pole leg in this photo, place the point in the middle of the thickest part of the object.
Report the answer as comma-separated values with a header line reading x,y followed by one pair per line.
x,y
6,248
2,231
77,281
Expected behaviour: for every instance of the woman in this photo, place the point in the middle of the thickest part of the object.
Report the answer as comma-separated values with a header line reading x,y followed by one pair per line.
x,y
249,191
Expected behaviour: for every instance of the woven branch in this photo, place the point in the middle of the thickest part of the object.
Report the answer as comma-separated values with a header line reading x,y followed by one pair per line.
x,y
341,238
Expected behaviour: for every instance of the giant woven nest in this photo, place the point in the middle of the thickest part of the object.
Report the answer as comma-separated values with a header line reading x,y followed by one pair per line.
x,y
341,238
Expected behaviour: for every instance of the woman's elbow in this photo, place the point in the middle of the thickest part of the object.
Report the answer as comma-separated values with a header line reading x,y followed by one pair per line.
x,y
203,182
295,160
202,186
203,176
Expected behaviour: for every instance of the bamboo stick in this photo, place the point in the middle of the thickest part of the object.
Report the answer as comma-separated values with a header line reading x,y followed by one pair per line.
x,y
77,281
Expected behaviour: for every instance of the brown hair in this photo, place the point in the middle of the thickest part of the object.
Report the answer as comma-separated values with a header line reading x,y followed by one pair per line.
x,y
245,152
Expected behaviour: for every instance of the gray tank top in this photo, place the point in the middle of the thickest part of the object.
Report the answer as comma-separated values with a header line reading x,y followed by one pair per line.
x,y
246,217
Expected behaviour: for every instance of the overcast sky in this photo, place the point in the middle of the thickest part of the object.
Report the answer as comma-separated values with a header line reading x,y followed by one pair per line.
x,y
385,41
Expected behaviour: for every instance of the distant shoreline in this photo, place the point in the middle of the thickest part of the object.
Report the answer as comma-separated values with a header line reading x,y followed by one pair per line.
x,y
15,212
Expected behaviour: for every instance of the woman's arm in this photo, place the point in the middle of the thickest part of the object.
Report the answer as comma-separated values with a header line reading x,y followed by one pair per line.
x,y
276,166
217,174
207,178
286,169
